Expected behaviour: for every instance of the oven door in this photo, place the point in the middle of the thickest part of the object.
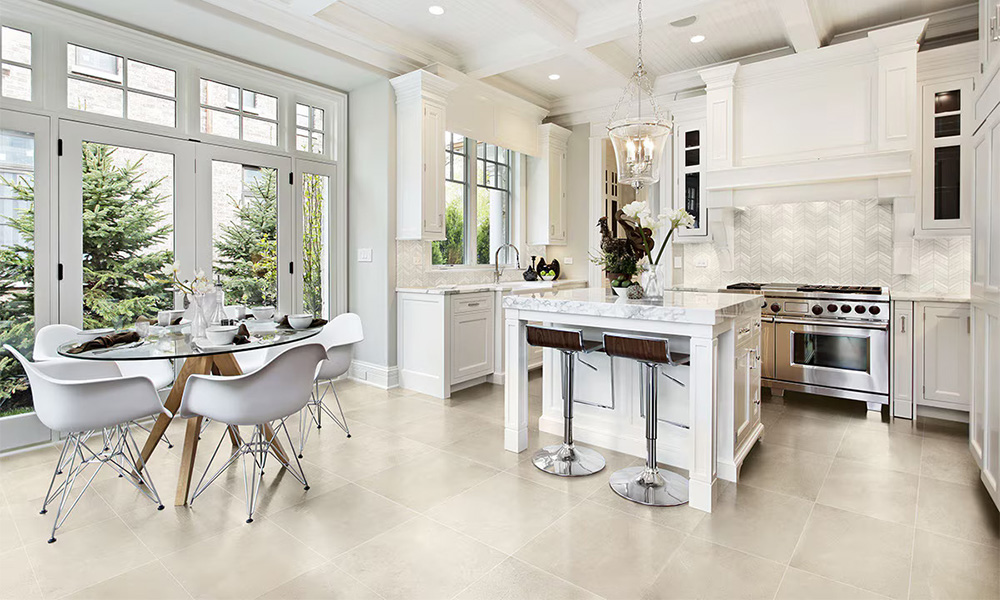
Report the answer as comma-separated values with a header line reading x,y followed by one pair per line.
x,y
846,356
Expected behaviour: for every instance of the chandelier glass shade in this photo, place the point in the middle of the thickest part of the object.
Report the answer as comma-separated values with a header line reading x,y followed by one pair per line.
x,y
639,140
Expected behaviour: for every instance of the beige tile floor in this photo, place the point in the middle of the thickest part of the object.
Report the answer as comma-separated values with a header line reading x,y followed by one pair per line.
x,y
423,503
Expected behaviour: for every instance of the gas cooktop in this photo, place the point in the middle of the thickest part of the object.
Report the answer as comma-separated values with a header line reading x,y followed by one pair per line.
x,y
873,290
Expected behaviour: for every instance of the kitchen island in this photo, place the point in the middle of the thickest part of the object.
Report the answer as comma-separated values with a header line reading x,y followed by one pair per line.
x,y
709,411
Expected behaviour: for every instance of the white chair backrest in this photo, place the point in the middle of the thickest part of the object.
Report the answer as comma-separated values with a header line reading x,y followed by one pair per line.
x,y
280,388
73,395
49,338
339,337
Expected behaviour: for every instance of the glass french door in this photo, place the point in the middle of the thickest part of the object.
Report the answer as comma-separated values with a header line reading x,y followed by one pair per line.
x,y
244,225
317,276
126,213
26,274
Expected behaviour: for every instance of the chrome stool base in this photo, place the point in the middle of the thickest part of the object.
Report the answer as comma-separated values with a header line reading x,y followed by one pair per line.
x,y
650,487
568,461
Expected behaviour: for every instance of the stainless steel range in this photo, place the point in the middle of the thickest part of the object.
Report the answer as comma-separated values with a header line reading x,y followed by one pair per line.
x,y
825,339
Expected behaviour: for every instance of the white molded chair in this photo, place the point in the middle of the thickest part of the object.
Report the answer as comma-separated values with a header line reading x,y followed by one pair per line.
x,y
50,337
80,398
273,393
338,337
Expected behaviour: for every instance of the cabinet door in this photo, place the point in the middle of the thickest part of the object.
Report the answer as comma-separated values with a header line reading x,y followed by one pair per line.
x,y
753,386
432,178
989,36
557,205
980,378
945,351
471,345
902,360
981,206
690,193
991,459
741,395
946,190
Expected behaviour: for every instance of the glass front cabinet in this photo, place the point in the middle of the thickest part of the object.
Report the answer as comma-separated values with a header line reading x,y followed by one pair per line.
x,y
946,185
689,178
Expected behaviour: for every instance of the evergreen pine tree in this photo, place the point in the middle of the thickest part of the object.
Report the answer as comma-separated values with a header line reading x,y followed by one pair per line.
x,y
247,249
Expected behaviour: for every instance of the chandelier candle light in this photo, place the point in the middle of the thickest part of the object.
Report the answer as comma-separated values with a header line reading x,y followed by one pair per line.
x,y
638,141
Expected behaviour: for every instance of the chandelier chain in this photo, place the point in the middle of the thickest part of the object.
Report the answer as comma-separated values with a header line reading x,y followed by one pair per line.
x,y
638,83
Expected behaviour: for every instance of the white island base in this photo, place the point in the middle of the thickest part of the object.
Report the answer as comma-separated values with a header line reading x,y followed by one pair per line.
x,y
706,426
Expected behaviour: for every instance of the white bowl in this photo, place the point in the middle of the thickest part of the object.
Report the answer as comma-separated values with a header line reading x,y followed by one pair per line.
x,y
262,313
220,335
300,321
261,327
237,312
548,277
621,291
93,334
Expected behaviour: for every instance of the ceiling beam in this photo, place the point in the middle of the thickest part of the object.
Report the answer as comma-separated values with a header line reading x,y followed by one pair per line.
x,y
801,26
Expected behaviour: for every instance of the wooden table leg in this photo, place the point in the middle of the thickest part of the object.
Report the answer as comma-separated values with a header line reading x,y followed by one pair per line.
x,y
187,460
191,366
225,364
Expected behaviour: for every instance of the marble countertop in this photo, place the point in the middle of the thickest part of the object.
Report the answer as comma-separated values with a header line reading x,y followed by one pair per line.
x,y
686,307
504,286
928,297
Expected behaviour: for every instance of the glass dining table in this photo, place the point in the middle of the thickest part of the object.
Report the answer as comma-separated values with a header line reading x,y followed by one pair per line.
x,y
200,358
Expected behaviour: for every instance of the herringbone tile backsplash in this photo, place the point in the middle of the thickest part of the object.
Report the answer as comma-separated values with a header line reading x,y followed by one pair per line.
x,y
414,268
840,243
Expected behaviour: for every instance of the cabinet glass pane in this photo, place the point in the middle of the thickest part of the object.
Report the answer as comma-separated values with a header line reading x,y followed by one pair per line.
x,y
947,101
692,196
691,157
947,172
947,126
692,139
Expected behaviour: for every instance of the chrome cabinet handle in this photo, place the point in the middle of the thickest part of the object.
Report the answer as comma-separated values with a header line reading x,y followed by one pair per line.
x,y
902,324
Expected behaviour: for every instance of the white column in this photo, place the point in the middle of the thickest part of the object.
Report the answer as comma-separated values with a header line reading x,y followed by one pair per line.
x,y
704,412
515,393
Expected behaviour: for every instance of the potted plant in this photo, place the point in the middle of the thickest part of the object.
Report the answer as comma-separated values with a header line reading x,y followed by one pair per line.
x,y
618,257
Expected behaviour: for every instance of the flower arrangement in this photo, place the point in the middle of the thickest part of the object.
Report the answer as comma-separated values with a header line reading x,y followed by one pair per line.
x,y
639,225
199,285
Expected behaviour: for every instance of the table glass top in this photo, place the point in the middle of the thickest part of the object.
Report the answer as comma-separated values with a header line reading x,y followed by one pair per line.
x,y
162,343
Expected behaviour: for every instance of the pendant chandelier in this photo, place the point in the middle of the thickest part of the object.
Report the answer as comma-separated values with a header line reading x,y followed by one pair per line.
x,y
639,141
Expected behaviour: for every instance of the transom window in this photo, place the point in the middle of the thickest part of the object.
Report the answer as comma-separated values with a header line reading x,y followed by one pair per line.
x,y
112,85
477,202
238,113
16,54
310,125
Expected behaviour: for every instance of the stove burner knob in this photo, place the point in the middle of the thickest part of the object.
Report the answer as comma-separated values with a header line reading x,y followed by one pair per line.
x,y
831,307
859,309
845,308
763,303
874,310
775,307
817,309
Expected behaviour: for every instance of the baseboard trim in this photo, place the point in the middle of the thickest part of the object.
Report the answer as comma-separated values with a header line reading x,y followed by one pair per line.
x,y
379,376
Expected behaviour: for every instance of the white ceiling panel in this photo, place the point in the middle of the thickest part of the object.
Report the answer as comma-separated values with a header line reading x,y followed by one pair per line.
x,y
853,15
574,77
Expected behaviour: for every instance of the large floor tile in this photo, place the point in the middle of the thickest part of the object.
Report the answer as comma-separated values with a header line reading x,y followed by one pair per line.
x,y
948,568
948,460
35,527
364,454
861,551
150,581
17,579
513,579
394,413
955,431
608,552
504,512
869,490
9,536
83,557
486,446
785,470
800,585
444,429
811,434
419,559
962,511
683,517
701,569
241,563
44,456
429,480
890,450
337,521
325,582
757,521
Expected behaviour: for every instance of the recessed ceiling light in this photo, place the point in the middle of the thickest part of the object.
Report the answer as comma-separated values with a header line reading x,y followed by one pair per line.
x,y
697,39
554,76
436,10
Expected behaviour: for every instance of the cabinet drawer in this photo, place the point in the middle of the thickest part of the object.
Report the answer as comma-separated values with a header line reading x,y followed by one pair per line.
x,y
466,303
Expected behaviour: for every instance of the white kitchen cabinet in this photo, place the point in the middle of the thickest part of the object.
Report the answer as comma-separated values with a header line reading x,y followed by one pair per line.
x,y
546,214
420,143
747,385
689,178
472,331
945,205
901,358
989,36
942,358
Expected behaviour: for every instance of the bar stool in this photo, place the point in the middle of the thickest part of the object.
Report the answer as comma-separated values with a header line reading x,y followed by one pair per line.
x,y
565,459
647,484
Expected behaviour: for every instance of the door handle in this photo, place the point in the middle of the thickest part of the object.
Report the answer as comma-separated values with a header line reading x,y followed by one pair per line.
x,y
968,324
902,324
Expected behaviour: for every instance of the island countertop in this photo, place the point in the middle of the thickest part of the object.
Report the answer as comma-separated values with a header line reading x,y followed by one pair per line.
x,y
674,306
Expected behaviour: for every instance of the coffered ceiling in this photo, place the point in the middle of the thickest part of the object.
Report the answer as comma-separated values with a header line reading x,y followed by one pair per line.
x,y
517,45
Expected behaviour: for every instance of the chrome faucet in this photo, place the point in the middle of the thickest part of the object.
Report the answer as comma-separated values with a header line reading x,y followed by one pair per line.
x,y
497,271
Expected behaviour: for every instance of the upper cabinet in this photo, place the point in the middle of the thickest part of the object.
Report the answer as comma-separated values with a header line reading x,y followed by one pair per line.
x,y
946,158
546,215
421,99
989,39
689,181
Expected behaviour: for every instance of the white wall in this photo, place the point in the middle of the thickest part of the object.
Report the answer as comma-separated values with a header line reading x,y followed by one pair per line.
x,y
372,219
577,210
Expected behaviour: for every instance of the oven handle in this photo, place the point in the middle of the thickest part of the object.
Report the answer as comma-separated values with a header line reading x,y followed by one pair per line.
x,y
857,324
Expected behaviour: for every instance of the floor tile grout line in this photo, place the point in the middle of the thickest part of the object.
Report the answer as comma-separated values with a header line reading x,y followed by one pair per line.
x,y
913,539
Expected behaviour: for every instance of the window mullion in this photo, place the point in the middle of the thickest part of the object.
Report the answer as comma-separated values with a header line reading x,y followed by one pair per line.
x,y
469,226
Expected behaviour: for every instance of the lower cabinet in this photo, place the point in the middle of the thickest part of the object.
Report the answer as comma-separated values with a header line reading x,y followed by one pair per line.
x,y
445,341
747,387
930,356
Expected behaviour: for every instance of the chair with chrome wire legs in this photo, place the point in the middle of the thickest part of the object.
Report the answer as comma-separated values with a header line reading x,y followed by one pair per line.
x,y
82,399
565,459
647,484
272,394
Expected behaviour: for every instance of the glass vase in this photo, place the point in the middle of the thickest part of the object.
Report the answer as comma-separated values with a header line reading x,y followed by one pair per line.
x,y
651,282
199,322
